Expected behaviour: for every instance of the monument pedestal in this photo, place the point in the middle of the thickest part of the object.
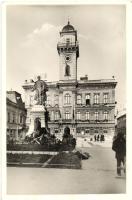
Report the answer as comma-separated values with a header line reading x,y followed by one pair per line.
x,y
37,111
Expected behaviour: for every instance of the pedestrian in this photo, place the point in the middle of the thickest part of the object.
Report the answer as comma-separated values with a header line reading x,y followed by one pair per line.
x,y
98,137
95,138
102,137
91,139
119,146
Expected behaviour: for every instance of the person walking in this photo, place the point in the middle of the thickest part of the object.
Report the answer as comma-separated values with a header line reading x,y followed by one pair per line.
x,y
119,146
102,138
95,138
98,137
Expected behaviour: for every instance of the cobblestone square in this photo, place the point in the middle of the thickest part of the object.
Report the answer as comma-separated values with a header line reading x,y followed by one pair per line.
x,y
98,176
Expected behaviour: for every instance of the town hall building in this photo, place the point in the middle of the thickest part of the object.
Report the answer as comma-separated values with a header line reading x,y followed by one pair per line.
x,y
82,107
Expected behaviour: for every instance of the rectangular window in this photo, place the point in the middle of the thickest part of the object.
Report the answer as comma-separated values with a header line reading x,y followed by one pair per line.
x,y
87,98
56,115
20,118
105,131
105,97
96,98
67,115
8,117
14,118
48,100
105,115
96,131
79,99
56,99
67,40
67,99
78,115
11,117
52,115
87,115
96,115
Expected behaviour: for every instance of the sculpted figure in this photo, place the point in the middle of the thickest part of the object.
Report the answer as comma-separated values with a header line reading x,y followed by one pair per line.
x,y
40,88
67,70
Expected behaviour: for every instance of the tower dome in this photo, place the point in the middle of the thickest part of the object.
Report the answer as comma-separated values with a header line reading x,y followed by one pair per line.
x,y
68,28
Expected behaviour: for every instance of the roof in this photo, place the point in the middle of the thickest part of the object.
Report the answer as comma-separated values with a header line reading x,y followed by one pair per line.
x,y
81,83
121,113
68,28
14,98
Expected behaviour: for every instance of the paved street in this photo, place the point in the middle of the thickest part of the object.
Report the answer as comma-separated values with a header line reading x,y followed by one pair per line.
x,y
98,175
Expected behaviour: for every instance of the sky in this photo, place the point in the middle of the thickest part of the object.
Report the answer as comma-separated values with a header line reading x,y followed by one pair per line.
x,y
32,33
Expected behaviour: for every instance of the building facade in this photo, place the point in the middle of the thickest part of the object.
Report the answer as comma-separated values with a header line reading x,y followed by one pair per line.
x,y
84,107
16,115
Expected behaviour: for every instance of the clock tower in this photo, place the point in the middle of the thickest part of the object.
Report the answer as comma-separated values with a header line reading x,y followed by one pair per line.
x,y
68,50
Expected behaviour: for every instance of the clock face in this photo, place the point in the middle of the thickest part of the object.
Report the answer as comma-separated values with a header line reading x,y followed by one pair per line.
x,y
67,58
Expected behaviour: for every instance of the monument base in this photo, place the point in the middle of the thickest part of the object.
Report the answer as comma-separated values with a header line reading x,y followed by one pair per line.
x,y
37,111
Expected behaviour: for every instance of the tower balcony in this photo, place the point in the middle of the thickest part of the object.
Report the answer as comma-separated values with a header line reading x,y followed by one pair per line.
x,y
68,47
99,121
66,120
92,105
68,44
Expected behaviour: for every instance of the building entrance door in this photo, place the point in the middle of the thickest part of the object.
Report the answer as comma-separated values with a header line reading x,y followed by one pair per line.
x,y
67,131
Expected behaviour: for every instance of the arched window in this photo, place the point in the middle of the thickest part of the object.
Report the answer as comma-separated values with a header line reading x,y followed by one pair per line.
x,y
87,97
67,99
67,70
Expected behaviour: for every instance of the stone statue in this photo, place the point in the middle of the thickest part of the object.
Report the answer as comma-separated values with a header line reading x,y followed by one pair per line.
x,y
40,88
67,70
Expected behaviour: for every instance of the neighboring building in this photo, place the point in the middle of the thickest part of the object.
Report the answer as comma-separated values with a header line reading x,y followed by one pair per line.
x,y
121,122
82,106
16,115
